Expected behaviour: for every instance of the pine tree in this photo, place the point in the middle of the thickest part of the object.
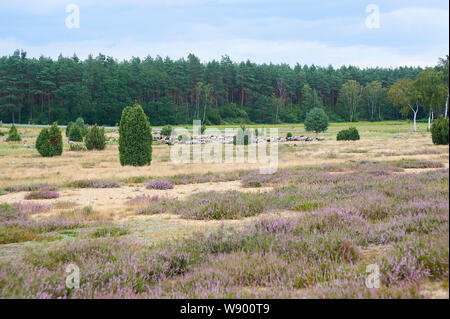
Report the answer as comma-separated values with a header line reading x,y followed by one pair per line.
x,y
95,138
13,135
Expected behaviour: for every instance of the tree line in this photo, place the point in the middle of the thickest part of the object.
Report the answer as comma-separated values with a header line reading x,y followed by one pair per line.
x,y
40,91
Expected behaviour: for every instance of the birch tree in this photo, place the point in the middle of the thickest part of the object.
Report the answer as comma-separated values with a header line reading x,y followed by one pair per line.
x,y
404,95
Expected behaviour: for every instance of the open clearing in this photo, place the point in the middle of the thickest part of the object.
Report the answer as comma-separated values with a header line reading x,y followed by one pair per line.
x,y
309,231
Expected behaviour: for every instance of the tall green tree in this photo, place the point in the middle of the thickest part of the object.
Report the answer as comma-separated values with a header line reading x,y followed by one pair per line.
x,y
403,94
350,95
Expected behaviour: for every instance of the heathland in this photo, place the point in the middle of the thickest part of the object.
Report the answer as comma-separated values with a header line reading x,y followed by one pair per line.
x,y
222,230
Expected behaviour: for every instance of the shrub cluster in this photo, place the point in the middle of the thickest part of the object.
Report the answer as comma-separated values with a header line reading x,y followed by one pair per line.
x,y
166,130
95,138
135,137
75,134
351,134
439,131
13,135
49,141
81,126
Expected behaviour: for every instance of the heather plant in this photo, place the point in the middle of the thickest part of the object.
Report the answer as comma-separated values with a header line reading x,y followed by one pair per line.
x,y
16,226
439,131
28,187
159,184
135,140
217,205
32,207
13,135
87,183
95,138
402,218
49,141
42,194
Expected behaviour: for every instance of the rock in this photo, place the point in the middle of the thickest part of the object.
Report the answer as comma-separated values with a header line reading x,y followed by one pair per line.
x,y
320,138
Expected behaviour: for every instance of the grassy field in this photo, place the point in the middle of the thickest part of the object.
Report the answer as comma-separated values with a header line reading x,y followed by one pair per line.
x,y
222,230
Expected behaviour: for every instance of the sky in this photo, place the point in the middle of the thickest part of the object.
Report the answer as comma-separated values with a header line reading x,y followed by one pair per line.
x,y
362,33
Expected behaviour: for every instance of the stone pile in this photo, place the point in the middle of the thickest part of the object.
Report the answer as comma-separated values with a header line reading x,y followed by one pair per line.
x,y
227,139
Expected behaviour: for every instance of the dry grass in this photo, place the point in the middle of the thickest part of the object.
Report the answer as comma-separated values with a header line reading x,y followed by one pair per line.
x,y
20,165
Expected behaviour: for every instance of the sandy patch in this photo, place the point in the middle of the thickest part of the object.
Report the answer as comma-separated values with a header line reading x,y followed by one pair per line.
x,y
113,200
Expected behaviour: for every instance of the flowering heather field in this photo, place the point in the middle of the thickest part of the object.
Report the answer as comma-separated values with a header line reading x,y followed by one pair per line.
x,y
339,219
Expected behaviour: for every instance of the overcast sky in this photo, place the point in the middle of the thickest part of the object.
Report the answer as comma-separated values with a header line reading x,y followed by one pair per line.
x,y
308,32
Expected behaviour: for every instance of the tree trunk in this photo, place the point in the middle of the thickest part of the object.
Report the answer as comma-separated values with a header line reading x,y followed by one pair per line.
x,y
415,115
446,107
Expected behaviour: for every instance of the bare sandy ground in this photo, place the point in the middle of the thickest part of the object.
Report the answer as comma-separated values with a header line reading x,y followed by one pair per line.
x,y
112,200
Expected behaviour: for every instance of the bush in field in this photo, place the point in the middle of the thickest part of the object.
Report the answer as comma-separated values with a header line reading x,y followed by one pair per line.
x,y
135,137
13,135
439,131
316,120
95,138
77,147
351,134
166,130
49,141
69,127
80,123
288,135
75,134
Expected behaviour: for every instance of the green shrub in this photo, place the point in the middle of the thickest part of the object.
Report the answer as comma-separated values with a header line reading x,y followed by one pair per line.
x,y
2,133
80,123
75,134
13,135
135,137
166,130
95,138
288,135
202,129
351,134
69,127
49,141
316,120
439,131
